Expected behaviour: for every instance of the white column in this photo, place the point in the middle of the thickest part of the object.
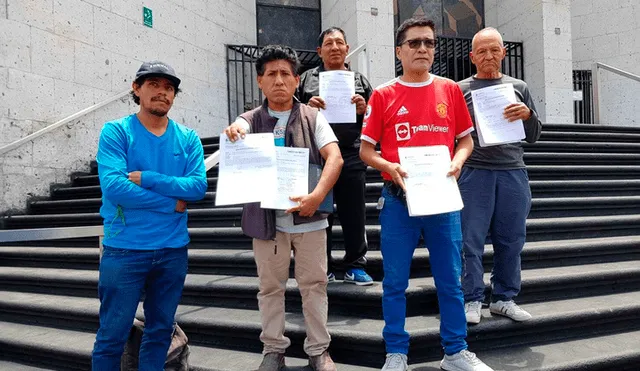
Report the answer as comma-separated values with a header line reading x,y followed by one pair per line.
x,y
367,22
544,27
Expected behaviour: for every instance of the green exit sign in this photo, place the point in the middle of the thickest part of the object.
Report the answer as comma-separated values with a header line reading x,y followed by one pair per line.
x,y
147,16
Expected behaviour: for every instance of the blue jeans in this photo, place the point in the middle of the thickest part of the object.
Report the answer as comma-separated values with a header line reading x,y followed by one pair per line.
x,y
495,202
124,276
399,238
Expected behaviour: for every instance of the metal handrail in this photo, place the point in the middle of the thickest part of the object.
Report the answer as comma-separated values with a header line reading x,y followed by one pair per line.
x,y
40,234
596,93
212,160
55,125
360,49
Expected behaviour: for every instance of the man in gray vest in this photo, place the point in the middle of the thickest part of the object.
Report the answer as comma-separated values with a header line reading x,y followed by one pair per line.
x,y
495,189
300,229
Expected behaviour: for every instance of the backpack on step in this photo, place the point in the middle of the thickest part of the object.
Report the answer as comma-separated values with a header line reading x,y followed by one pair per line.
x,y
177,355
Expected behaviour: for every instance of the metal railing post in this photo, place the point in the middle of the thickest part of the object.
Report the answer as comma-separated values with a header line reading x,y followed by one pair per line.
x,y
596,94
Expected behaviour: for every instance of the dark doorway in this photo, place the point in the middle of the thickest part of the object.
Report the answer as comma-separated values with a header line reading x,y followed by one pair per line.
x,y
295,23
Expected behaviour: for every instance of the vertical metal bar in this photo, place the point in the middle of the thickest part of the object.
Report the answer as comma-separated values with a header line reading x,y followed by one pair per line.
x,y
521,60
596,94
244,76
228,71
235,63
253,96
455,62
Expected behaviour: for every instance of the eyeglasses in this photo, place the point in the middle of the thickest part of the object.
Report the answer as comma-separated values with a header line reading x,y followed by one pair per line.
x,y
417,43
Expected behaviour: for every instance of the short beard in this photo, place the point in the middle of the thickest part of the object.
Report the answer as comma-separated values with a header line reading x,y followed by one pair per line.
x,y
159,113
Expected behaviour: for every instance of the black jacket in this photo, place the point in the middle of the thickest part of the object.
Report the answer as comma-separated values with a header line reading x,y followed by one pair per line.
x,y
348,134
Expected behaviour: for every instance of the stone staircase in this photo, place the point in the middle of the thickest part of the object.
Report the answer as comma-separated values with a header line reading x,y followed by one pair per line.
x,y
581,276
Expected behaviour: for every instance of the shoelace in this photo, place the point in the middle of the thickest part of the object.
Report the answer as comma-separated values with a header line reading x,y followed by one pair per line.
x,y
471,357
510,307
474,306
395,360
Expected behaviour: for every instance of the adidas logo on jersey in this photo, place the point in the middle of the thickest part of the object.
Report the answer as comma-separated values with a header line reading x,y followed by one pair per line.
x,y
402,111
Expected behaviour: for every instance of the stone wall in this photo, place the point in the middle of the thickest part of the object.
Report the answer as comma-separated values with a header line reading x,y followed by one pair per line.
x,y
544,27
609,32
59,57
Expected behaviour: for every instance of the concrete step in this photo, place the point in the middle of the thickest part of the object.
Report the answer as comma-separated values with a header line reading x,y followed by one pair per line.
x,y
590,128
570,146
15,366
549,173
355,340
240,262
536,172
539,189
619,351
576,158
231,216
539,229
233,291
542,229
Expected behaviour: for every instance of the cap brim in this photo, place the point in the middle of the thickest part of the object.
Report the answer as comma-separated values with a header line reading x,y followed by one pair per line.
x,y
176,81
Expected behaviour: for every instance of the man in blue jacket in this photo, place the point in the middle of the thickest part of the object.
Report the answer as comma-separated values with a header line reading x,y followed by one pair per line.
x,y
150,167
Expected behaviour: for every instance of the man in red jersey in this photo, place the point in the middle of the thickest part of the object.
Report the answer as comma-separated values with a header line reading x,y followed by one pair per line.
x,y
419,109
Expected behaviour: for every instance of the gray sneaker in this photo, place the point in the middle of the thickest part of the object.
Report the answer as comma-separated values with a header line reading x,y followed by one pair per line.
x,y
463,361
396,362
272,362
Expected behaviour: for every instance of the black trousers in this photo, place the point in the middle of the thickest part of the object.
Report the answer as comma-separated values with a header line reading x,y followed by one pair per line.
x,y
349,196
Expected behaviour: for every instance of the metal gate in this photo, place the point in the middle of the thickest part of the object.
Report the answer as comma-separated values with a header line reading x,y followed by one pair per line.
x,y
582,97
452,59
242,86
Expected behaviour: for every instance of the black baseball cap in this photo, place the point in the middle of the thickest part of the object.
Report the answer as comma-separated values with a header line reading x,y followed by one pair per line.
x,y
160,69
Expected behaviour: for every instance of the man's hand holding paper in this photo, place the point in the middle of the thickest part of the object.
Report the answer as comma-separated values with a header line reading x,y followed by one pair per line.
x,y
498,115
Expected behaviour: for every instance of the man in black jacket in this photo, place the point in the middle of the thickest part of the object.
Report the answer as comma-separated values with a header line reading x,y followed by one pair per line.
x,y
349,191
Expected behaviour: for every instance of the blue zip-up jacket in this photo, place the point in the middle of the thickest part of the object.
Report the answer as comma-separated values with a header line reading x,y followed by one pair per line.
x,y
172,166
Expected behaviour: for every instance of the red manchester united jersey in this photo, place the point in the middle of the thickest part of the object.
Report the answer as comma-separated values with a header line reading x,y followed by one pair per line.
x,y
402,114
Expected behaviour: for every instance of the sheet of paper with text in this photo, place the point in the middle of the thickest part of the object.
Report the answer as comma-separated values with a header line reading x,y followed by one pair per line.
x,y
337,88
247,171
488,106
429,190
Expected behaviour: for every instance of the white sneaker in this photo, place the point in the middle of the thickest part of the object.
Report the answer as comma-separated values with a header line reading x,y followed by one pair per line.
x,y
509,309
463,361
472,311
396,362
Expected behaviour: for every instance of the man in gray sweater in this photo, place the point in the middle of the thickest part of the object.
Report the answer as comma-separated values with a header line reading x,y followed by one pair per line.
x,y
495,189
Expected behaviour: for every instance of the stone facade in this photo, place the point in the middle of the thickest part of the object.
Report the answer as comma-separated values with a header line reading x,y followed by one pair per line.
x,y
609,32
544,27
59,57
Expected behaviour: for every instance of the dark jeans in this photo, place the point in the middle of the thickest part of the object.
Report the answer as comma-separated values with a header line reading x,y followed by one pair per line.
x,y
495,202
348,194
124,276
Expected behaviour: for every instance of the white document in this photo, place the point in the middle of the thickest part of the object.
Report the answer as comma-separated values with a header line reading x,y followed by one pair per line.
x,y
488,106
429,190
293,178
337,88
247,169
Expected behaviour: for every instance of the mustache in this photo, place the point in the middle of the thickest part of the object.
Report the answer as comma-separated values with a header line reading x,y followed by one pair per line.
x,y
161,99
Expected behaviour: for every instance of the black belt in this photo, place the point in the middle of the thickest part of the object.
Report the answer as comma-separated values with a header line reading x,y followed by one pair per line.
x,y
395,190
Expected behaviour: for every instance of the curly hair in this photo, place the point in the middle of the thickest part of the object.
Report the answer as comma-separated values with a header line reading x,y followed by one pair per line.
x,y
272,53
